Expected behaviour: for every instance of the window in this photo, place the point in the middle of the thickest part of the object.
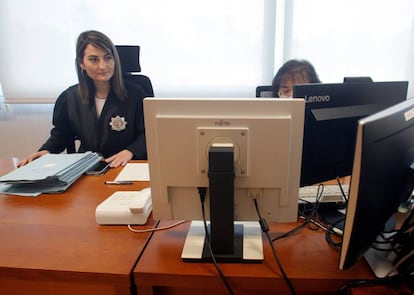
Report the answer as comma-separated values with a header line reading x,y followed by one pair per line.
x,y
206,48
353,38
198,48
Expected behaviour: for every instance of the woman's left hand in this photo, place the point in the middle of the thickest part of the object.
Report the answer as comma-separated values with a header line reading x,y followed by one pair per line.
x,y
119,159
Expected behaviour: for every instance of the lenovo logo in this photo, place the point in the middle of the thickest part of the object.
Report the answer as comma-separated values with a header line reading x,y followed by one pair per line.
x,y
317,98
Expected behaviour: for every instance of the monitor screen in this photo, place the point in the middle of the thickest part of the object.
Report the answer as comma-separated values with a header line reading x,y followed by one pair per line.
x,y
266,136
331,115
381,178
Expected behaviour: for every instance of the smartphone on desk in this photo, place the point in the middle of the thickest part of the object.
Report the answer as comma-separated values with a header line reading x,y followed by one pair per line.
x,y
98,169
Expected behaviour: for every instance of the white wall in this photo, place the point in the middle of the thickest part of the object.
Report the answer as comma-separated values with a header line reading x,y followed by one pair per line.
x,y
23,128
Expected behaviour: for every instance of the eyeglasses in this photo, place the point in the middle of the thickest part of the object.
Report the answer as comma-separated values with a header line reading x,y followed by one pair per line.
x,y
285,93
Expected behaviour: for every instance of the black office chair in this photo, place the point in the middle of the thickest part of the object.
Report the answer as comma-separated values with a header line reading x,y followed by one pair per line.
x,y
129,58
264,91
363,79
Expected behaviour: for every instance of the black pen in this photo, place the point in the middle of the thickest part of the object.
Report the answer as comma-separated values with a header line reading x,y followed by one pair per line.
x,y
117,182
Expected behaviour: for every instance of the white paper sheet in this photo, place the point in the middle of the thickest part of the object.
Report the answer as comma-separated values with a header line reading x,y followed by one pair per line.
x,y
134,172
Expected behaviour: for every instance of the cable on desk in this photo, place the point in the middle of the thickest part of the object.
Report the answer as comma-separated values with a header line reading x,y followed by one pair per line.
x,y
265,229
318,224
400,262
307,222
291,232
386,281
338,180
402,245
310,207
155,228
333,231
307,214
202,191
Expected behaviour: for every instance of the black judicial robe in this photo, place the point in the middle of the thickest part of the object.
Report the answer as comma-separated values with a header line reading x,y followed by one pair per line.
x,y
120,126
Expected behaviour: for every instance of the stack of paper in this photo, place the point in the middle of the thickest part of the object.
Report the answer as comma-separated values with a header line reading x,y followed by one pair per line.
x,y
51,173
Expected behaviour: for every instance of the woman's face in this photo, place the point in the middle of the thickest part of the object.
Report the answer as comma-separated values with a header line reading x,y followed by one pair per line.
x,y
99,65
286,85
286,88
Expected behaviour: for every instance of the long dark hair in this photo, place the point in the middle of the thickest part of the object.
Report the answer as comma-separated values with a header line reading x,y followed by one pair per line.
x,y
86,85
292,69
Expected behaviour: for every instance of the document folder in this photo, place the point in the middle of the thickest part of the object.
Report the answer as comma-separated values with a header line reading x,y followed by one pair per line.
x,y
51,173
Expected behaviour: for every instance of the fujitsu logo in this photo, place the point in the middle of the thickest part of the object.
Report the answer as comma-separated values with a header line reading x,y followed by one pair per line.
x,y
317,98
222,123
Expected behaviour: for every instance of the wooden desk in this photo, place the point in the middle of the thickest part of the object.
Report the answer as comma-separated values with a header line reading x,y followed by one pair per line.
x,y
51,244
309,262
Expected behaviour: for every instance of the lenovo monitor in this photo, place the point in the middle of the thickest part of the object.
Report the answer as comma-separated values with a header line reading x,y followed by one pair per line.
x,y
331,116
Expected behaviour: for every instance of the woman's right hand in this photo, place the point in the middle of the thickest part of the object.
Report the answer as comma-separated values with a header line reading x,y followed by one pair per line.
x,y
32,157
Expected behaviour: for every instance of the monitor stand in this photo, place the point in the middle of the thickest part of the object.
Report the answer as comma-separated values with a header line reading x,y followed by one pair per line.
x,y
383,262
248,246
380,261
380,264
228,241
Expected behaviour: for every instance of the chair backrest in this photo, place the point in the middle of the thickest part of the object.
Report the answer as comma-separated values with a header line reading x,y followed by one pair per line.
x,y
264,91
142,80
129,58
363,79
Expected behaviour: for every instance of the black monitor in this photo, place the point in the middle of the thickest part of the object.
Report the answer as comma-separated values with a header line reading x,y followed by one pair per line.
x,y
382,178
331,115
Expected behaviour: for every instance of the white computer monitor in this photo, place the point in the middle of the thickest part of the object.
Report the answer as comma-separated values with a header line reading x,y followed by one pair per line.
x,y
266,136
